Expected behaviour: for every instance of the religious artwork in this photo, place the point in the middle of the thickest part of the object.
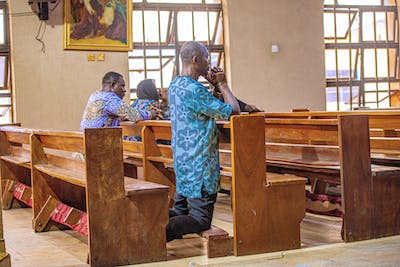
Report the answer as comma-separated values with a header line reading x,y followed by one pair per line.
x,y
98,25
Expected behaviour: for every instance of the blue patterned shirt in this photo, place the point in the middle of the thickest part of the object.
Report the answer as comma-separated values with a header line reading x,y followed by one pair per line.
x,y
106,109
194,136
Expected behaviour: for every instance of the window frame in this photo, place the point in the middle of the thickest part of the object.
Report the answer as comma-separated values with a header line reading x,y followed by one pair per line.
x,y
362,46
172,42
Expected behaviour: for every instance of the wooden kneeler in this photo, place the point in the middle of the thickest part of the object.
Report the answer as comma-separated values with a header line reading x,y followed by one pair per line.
x,y
218,242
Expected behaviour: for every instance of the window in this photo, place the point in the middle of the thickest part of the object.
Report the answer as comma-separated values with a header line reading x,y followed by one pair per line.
x,y
5,84
160,27
361,53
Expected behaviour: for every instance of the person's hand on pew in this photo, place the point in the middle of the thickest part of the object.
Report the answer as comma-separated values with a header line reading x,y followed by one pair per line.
x,y
153,114
156,113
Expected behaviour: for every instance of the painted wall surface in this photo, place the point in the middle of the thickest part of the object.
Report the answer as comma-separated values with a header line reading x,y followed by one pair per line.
x,y
293,77
52,87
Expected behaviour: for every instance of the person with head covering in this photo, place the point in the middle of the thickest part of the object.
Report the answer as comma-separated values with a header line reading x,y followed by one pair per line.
x,y
148,98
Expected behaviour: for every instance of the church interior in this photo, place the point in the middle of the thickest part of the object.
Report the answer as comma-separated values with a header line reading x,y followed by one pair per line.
x,y
309,171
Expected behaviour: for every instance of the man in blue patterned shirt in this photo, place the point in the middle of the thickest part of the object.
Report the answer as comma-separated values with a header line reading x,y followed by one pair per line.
x,y
195,140
105,107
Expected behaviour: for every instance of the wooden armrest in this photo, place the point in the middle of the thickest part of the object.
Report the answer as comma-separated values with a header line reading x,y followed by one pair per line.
x,y
134,187
161,159
69,176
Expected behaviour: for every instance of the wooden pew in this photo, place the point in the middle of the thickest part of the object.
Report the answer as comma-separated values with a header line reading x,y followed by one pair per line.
x,y
124,218
267,209
337,151
384,127
15,166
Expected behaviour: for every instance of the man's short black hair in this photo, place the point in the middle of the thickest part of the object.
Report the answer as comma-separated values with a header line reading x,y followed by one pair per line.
x,y
111,77
191,49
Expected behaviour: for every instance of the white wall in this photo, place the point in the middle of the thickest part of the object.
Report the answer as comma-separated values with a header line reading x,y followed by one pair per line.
x,y
292,78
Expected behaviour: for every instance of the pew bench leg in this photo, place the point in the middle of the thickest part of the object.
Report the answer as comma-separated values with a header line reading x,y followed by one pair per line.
x,y
7,197
44,216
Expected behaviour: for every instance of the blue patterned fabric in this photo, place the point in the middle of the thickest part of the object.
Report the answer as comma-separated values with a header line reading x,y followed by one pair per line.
x,y
148,104
106,109
142,104
194,136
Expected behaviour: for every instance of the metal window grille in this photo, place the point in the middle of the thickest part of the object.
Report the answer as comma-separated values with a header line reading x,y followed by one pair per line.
x,y
6,107
361,54
159,30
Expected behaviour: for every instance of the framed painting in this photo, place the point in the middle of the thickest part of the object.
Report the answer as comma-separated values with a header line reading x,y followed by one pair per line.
x,y
98,25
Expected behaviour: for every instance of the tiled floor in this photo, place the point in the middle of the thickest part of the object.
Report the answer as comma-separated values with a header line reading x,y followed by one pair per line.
x,y
320,237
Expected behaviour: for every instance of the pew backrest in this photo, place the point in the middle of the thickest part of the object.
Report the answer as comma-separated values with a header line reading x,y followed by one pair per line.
x,y
384,130
14,145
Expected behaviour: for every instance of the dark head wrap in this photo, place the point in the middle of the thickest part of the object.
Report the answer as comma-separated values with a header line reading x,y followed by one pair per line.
x,y
146,89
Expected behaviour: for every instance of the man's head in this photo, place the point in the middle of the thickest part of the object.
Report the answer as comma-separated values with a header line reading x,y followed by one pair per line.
x,y
114,82
195,56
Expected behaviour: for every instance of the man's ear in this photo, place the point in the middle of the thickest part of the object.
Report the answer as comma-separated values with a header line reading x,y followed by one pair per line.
x,y
195,59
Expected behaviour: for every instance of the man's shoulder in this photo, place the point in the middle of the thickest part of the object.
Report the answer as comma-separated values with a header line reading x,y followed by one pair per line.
x,y
186,82
102,94
107,96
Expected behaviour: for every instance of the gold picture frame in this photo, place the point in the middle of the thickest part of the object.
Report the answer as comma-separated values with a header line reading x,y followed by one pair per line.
x,y
98,25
